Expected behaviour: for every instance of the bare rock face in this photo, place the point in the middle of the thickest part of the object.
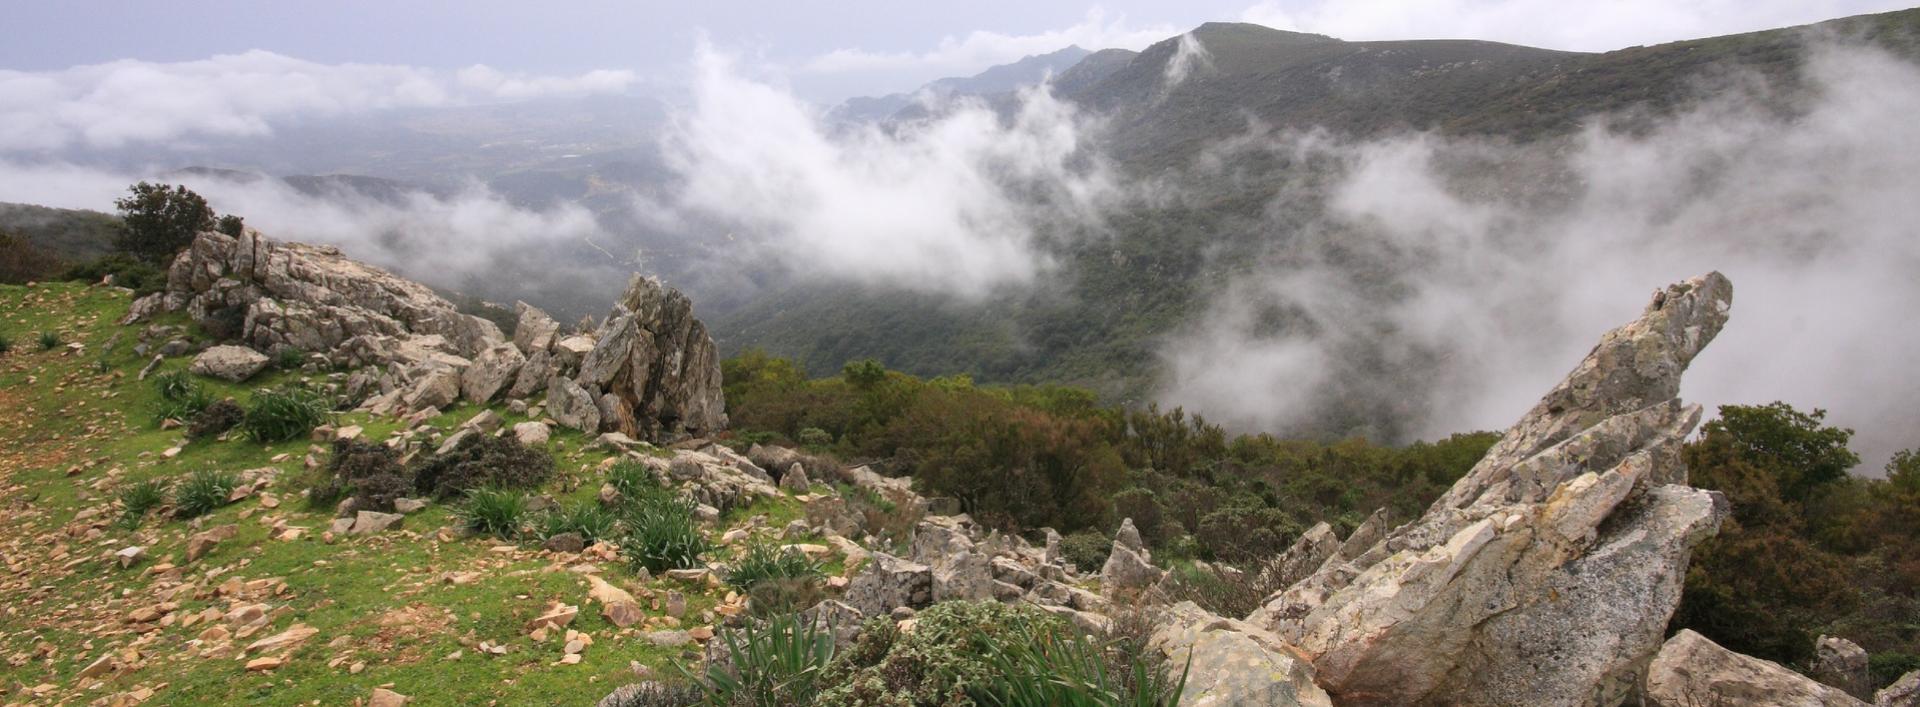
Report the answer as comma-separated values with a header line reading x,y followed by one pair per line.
x,y
1547,574
1904,692
659,363
1843,664
1233,663
1691,671
232,363
1129,568
493,370
1306,554
888,583
272,295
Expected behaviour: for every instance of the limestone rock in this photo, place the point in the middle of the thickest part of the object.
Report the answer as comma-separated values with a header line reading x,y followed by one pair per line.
x,y
1843,664
1306,554
201,543
1546,574
1233,663
533,331
618,606
888,583
659,365
572,406
383,697
532,434
1904,692
436,386
1691,671
490,373
959,571
232,363
370,522
533,375
795,479
1129,568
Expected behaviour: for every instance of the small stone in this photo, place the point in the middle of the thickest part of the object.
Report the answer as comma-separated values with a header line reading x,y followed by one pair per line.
x,y
129,556
265,663
383,697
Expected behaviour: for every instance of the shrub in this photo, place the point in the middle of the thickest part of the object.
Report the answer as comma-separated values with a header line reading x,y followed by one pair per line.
x,y
48,340
160,220
139,498
1087,550
289,359
764,562
202,492
1221,592
661,535
815,439
6,344
216,418
367,471
779,664
482,461
181,397
588,520
655,694
285,413
127,271
633,480
1070,671
778,596
947,654
491,511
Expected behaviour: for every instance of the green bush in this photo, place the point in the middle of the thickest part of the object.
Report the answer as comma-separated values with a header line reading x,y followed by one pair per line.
x,y
1067,670
139,498
948,653
491,511
482,461
588,520
160,220
1087,550
48,340
815,439
285,414
660,534
289,359
127,271
181,397
764,562
776,665
202,492
216,418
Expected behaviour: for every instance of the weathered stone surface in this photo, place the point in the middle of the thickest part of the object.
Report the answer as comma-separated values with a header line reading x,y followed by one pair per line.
x,y
232,363
1306,554
435,386
888,583
370,522
1547,574
201,543
1904,692
533,330
532,434
618,606
1129,569
273,295
1233,663
572,406
490,373
1691,671
959,570
1843,664
658,363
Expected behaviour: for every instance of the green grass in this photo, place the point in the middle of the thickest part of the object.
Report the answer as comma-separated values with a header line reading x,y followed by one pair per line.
x,y
286,413
493,512
139,498
203,491
48,340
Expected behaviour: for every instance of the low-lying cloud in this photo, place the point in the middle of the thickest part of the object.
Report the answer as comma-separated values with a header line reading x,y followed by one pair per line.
x,y
1451,282
241,95
977,50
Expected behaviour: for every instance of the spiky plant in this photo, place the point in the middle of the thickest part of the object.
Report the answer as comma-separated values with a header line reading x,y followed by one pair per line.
x,y
285,413
139,498
493,511
202,492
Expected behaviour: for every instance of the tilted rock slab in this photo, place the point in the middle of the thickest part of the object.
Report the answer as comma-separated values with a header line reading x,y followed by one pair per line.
x,y
1231,663
1691,671
659,365
1547,574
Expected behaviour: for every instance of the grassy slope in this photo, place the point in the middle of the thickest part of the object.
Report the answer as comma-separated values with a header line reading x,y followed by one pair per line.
x,y
71,433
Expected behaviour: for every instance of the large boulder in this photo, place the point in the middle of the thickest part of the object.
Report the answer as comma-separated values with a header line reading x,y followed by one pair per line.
x,y
273,295
533,330
491,372
659,365
1842,664
1691,671
232,363
572,406
888,583
1232,663
1547,574
1129,570
1904,692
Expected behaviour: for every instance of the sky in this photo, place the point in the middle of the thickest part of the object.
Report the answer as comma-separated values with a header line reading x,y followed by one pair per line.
x,y
825,51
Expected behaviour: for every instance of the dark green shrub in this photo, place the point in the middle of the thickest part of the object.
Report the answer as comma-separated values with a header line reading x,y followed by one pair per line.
x,y
181,397
815,439
367,471
1087,550
127,271
948,654
6,344
285,414
48,340
202,492
289,359
1067,670
661,534
763,562
588,520
216,418
139,498
160,220
494,512
482,461
1890,666
775,665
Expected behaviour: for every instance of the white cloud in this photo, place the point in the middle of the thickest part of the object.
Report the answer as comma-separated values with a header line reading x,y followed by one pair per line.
x,y
980,49
1554,24
238,95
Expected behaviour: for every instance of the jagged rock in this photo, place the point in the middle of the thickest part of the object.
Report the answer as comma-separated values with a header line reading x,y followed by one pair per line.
x,y
715,481
1904,692
274,295
572,406
232,363
1691,671
795,479
436,386
1306,554
533,331
201,543
1546,574
485,422
837,617
1233,663
1843,664
1129,568
144,308
565,542
618,606
533,375
959,571
532,434
491,371
660,365
888,583
370,522
1369,532
832,514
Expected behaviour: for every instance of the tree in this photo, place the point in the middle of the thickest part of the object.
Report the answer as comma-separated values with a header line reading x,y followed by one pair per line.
x,y
161,220
231,225
1800,452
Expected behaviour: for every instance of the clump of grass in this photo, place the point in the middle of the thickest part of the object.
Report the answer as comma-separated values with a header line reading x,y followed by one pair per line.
x,y
766,563
1065,669
285,413
181,397
782,663
493,511
588,520
48,340
655,694
632,479
138,499
661,534
289,358
202,492
6,344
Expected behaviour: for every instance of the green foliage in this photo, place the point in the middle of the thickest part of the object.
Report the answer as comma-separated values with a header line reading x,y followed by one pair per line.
x,y
1885,668
1793,446
492,511
764,563
49,340
215,418
138,498
130,272
776,665
22,261
231,225
1087,549
482,460
949,653
289,358
635,481
660,534
202,492
161,220
285,414
181,398
864,374
586,519
1071,671
814,439
367,471
656,694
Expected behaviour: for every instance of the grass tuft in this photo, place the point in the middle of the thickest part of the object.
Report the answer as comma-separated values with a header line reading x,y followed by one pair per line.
x,y
661,534
492,511
48,340
285,414
202,492
139,498
588,520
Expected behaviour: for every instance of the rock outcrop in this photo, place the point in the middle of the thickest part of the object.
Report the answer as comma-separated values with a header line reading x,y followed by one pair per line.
x,y
1547,574
1232,663
1691,671
1843,664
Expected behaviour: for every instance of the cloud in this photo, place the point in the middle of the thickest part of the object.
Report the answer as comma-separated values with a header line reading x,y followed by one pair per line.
x,y
980,49
1448,283
949,204
1189,55
1554,24
114,104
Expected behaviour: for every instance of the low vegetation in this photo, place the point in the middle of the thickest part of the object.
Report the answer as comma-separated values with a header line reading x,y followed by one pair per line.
x,y
203,491
285,413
